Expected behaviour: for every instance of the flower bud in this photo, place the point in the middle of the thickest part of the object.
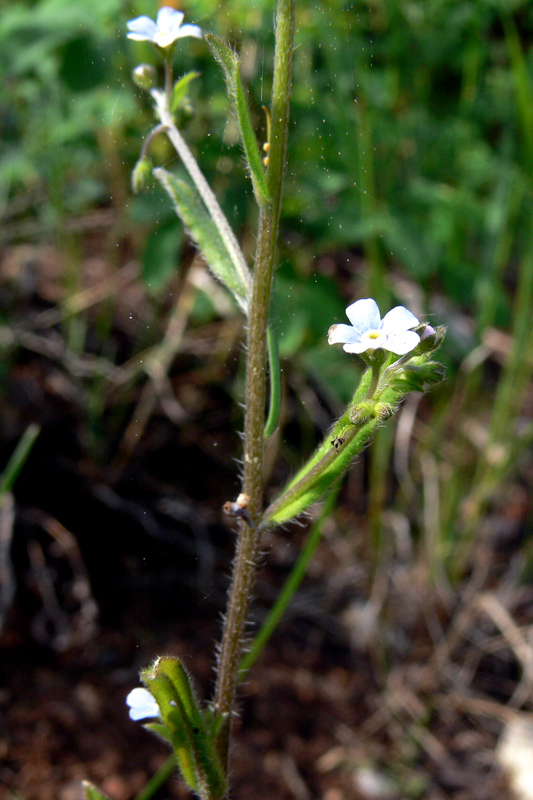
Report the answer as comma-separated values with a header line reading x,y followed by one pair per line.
x,y
430,338
141,175
368,410
144,76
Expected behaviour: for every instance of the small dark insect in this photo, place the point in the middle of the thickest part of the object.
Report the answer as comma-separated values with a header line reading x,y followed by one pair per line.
x,y
338,441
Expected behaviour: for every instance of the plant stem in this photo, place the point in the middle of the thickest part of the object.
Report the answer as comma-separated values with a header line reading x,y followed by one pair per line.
x,y
374,381
249,538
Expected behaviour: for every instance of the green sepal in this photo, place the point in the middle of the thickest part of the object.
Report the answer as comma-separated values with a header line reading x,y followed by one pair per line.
x,y
229,61
159,730
418,377
191,210
174,728
179,92
90,792
184,725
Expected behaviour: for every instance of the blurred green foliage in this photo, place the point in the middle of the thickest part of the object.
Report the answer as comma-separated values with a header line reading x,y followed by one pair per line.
x,y
408,133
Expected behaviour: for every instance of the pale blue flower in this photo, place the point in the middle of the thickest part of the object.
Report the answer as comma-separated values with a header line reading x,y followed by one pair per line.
x,y
369,332
164,31
142,704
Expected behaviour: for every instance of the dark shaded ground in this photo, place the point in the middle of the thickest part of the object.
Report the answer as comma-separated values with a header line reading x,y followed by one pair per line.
x,y
118,562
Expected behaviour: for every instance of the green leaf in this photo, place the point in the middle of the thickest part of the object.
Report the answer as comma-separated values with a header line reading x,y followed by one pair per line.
x,y
202,229
274,372
90,792
186,726
229,61
179,92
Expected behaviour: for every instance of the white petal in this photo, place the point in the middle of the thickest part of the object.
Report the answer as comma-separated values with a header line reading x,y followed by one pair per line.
x,y
190,30
343,333
142,704
168,19
399,319
141,29
364,315
356,347
402,342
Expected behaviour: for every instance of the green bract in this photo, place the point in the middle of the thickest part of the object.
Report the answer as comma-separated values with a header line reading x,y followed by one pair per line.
x,y
186,727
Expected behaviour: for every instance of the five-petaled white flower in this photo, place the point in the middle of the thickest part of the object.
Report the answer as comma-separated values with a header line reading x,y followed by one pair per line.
x,y
369,332
142,704
164,31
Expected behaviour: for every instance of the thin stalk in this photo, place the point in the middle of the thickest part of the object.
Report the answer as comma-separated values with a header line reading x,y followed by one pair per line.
x,y
249,537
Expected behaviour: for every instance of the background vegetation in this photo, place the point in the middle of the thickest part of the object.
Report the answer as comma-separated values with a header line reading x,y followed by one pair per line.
x,y
410,180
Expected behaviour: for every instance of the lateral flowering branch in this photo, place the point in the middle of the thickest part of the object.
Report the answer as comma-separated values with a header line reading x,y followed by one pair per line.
x,y
399,361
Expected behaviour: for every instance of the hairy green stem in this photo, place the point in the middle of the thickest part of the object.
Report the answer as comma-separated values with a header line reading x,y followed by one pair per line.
x,y
249,538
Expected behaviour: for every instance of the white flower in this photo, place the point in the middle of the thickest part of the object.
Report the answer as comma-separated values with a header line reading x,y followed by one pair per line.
x,y
369,332
142,704
164,31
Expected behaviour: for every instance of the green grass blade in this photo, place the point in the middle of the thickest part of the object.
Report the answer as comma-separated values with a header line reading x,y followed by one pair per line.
x,y
290,587
159,779
18,458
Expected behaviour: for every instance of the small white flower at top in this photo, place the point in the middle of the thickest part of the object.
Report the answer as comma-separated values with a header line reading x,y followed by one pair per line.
x,y
164,31
142,704
369,332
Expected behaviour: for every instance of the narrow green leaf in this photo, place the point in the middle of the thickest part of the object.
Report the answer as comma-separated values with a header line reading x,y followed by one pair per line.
x,y
179,92
165,771
229,61
202,229
90,792
274,371
290,587
18,458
